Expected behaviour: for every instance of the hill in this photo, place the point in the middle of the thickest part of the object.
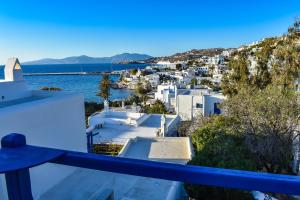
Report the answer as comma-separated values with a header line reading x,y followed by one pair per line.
x,y
272,61
189,55
125,57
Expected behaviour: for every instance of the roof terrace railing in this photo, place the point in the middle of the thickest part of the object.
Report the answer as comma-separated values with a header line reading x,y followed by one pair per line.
x,y
16,157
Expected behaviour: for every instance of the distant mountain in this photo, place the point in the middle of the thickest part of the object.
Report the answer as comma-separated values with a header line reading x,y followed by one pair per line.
x,y
125,57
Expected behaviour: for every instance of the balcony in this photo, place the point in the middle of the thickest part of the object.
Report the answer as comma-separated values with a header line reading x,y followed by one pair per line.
x,y
17,157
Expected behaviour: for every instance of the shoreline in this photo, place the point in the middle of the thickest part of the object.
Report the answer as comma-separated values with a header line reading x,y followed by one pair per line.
x,y
71,73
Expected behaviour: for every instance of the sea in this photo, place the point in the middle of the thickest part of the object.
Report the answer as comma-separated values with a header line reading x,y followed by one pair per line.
x,y
88,85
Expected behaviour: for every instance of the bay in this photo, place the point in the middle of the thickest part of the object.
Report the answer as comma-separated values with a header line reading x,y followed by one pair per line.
x,y
83,84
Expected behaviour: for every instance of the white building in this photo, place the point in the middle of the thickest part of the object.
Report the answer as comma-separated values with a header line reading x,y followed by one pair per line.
x,y
203,69
216,60
192,103
153,79
171,65
166,93
182,79
188,103
118,127
226,53
50,119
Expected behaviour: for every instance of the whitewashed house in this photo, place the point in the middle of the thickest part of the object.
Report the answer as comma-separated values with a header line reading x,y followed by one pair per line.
x,y
189,103
120,126
153,79
194,102
202,69
171,65
166,93
216,60
50,119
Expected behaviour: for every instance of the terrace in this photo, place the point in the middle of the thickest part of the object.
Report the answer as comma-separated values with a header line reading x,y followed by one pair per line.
x,y
118,127
120,186
17,158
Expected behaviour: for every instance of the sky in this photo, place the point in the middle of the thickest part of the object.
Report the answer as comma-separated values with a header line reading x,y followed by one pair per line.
x,y
34,29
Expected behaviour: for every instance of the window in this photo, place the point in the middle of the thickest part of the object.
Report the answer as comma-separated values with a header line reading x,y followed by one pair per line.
x,y
199,105
217,109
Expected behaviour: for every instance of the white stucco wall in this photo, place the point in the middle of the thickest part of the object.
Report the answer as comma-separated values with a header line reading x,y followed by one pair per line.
x,y
11,90
57,122
186,106
209,101
117,117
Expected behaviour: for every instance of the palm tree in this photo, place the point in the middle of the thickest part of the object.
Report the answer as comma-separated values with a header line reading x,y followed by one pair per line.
x,y
104,87
142,90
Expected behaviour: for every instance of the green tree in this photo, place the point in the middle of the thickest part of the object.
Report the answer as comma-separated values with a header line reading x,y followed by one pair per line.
x,y
91,108
194,81
104,87
158,107
267,120
142,90
277,63
133,71
190,63
207,82
133,98
239,76
294,30
262,78
178,66
216,146
286,66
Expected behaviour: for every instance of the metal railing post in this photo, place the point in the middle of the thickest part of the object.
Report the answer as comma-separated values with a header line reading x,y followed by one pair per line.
x,y
18,181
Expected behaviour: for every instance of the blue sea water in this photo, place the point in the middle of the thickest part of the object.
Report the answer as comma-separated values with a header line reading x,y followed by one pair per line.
x,y
84,84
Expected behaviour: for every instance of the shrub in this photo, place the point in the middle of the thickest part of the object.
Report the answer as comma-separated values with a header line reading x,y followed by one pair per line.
x,y
158,107
216,146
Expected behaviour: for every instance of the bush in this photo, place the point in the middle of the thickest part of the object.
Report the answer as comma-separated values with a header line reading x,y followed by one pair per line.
x,y
268,121
92,107
216,146
107,149
158,107
131,99
133,71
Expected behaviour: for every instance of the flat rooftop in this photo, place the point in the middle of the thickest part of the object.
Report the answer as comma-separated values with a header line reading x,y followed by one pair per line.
x,y
20,101
153,121
120,133
170,149
90,184
194,92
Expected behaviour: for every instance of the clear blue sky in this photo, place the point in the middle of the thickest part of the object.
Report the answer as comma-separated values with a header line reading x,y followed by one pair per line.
x,y
59,28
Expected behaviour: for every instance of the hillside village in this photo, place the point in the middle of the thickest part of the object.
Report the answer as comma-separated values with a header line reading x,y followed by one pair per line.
x,y
235,82
210,70
219,108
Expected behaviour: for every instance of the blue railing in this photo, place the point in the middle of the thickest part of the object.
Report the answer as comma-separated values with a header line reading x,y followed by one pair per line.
x,y
16,157
90,140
